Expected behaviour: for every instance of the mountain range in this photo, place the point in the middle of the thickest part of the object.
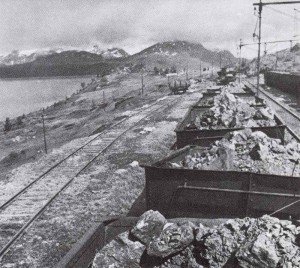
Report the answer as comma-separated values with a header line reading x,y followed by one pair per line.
x,y
17,57
179,54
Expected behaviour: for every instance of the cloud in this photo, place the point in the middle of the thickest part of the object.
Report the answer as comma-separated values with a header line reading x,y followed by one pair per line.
x,y
132,24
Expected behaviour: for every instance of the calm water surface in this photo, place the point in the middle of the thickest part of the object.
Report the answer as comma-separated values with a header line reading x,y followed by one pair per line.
x,y
21,96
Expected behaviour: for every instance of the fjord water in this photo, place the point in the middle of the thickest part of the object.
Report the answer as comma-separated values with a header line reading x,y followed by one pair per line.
x,y
22,96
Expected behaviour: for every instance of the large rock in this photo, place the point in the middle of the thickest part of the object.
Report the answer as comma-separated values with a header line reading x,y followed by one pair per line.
x,y
230,111
246,151
172,239
270,243
184,259
262,253
244,243
149,226
120,253
218,245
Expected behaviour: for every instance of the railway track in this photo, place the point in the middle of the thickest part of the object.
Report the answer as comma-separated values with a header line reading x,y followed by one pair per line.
x,y
291,118
24,207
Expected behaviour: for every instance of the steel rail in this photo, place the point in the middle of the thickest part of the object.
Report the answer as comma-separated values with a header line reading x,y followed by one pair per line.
x,y
284,108
278,103
44,207
7,202
12,198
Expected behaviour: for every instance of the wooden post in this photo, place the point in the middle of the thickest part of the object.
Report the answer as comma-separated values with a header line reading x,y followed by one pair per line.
x,y
240,60
200,69
186,74
142,78
44,132
259,42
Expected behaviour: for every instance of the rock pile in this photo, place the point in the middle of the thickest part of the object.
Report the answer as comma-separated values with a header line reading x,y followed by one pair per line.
x,y
245,243
230,111
246,151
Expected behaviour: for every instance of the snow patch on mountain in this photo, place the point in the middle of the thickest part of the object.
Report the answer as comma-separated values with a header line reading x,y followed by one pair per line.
x,y
110,53
19,57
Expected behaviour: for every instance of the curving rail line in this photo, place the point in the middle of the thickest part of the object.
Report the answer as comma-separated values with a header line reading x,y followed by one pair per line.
x,y
29,203
288,116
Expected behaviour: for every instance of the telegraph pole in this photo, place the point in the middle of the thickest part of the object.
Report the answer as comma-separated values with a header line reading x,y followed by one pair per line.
x,y
200,68
240,59
44,132
260,6
259,39
186,74
142,80
295,22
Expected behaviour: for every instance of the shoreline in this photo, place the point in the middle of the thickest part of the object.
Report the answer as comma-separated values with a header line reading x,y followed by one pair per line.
x,y
46,77
48,103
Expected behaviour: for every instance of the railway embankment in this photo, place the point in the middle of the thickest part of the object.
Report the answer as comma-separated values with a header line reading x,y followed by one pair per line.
x,y
107,186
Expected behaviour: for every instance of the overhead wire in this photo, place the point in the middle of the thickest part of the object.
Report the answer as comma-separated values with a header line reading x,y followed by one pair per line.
x,y
283,13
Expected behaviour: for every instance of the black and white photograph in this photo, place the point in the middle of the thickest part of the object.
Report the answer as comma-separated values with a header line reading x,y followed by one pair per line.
x,y
149,134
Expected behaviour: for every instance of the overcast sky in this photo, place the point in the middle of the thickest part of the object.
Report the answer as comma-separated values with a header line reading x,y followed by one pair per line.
x,y
136,24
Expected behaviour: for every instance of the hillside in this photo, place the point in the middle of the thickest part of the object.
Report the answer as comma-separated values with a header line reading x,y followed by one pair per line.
x,y
66,63
19,57
283,60
181,54
69,57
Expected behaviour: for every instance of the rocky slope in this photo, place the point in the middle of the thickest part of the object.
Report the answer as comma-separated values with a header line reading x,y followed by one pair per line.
x,y
283,60
245,243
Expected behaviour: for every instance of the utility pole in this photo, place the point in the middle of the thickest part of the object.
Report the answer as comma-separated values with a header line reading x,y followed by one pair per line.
x,y
142,80
240,59
260,6
186,74
44,131
259,39
103,93
295,22
200,68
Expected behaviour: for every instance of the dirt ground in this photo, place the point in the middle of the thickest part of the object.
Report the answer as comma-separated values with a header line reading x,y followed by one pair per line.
x,y
107,188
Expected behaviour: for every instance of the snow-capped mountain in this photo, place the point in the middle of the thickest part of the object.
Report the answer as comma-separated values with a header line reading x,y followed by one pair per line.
x,y
110,53
182,54
179,54
17,57
193,49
